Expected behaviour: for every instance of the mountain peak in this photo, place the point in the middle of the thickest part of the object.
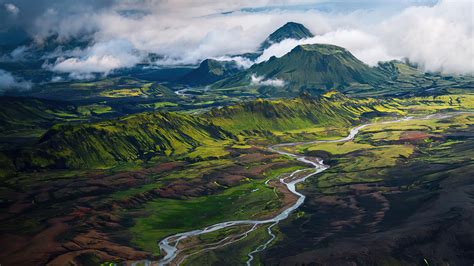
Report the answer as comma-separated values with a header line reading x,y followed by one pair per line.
x,y
291,30
324,49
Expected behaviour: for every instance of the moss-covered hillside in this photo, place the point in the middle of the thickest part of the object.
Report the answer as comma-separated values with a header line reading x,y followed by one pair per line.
x,y
132,138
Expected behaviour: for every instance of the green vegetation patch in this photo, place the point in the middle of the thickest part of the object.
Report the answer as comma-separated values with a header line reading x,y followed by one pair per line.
x,y
168,216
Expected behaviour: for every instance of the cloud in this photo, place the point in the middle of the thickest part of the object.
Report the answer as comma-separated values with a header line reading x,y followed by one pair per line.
x,y
438,38
261,81
12,9
436,35
242,62
9,82
100,58
364,46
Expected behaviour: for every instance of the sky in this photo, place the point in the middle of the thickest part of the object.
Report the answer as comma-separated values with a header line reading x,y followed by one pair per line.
x,y
436,35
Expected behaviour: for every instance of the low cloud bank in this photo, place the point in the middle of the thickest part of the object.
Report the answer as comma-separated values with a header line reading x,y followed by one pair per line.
x,y
438,36
9,82
100,58
261,81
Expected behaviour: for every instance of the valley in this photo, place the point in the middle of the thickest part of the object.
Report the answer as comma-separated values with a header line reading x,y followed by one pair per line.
x,y
222,171
308,157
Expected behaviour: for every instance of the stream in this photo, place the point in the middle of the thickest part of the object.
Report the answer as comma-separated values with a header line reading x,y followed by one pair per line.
x,y
169,245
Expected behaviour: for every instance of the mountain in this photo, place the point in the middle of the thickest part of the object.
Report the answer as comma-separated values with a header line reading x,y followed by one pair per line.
x,y
144,136
331,109
311,67
18,114
210,71
131,138
290,30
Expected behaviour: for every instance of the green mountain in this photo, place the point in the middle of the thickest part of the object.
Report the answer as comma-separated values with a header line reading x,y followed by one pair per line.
x,y
141,137
131,138
144,136
210,71
19,114
315,68
332,109
290,30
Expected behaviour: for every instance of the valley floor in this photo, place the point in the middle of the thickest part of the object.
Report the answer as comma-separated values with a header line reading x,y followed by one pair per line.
x,y
398,194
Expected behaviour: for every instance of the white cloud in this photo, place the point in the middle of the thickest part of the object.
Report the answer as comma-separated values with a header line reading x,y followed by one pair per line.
x,y
57,79
100,58
261,81
364,46
242,62
12,9
437,37
9,82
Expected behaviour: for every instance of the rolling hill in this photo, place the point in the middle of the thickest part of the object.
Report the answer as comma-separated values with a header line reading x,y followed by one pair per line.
x,y
131,138
331,109
147,135
18,114
210,71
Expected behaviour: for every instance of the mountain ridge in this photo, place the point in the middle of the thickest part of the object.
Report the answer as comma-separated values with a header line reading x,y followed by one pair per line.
x,y
144,136
127,139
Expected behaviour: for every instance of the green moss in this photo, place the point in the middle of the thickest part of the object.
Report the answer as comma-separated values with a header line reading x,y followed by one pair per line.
x,y
338,148
300,115
169,216
130,139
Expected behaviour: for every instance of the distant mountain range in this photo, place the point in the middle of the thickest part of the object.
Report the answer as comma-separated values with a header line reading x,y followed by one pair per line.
x,y
313,68
211,70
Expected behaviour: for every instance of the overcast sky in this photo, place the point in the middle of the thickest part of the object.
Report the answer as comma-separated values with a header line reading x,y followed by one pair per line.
x,y
437,35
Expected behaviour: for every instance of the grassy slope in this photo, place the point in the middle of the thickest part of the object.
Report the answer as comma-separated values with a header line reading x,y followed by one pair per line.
x,y
209,71
316,68
148,135
22,114
330,110
131,138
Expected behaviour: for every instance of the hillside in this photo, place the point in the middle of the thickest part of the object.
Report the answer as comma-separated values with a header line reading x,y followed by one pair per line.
x,y
132,138
24,114
329,110
210,71
144,136
315,68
